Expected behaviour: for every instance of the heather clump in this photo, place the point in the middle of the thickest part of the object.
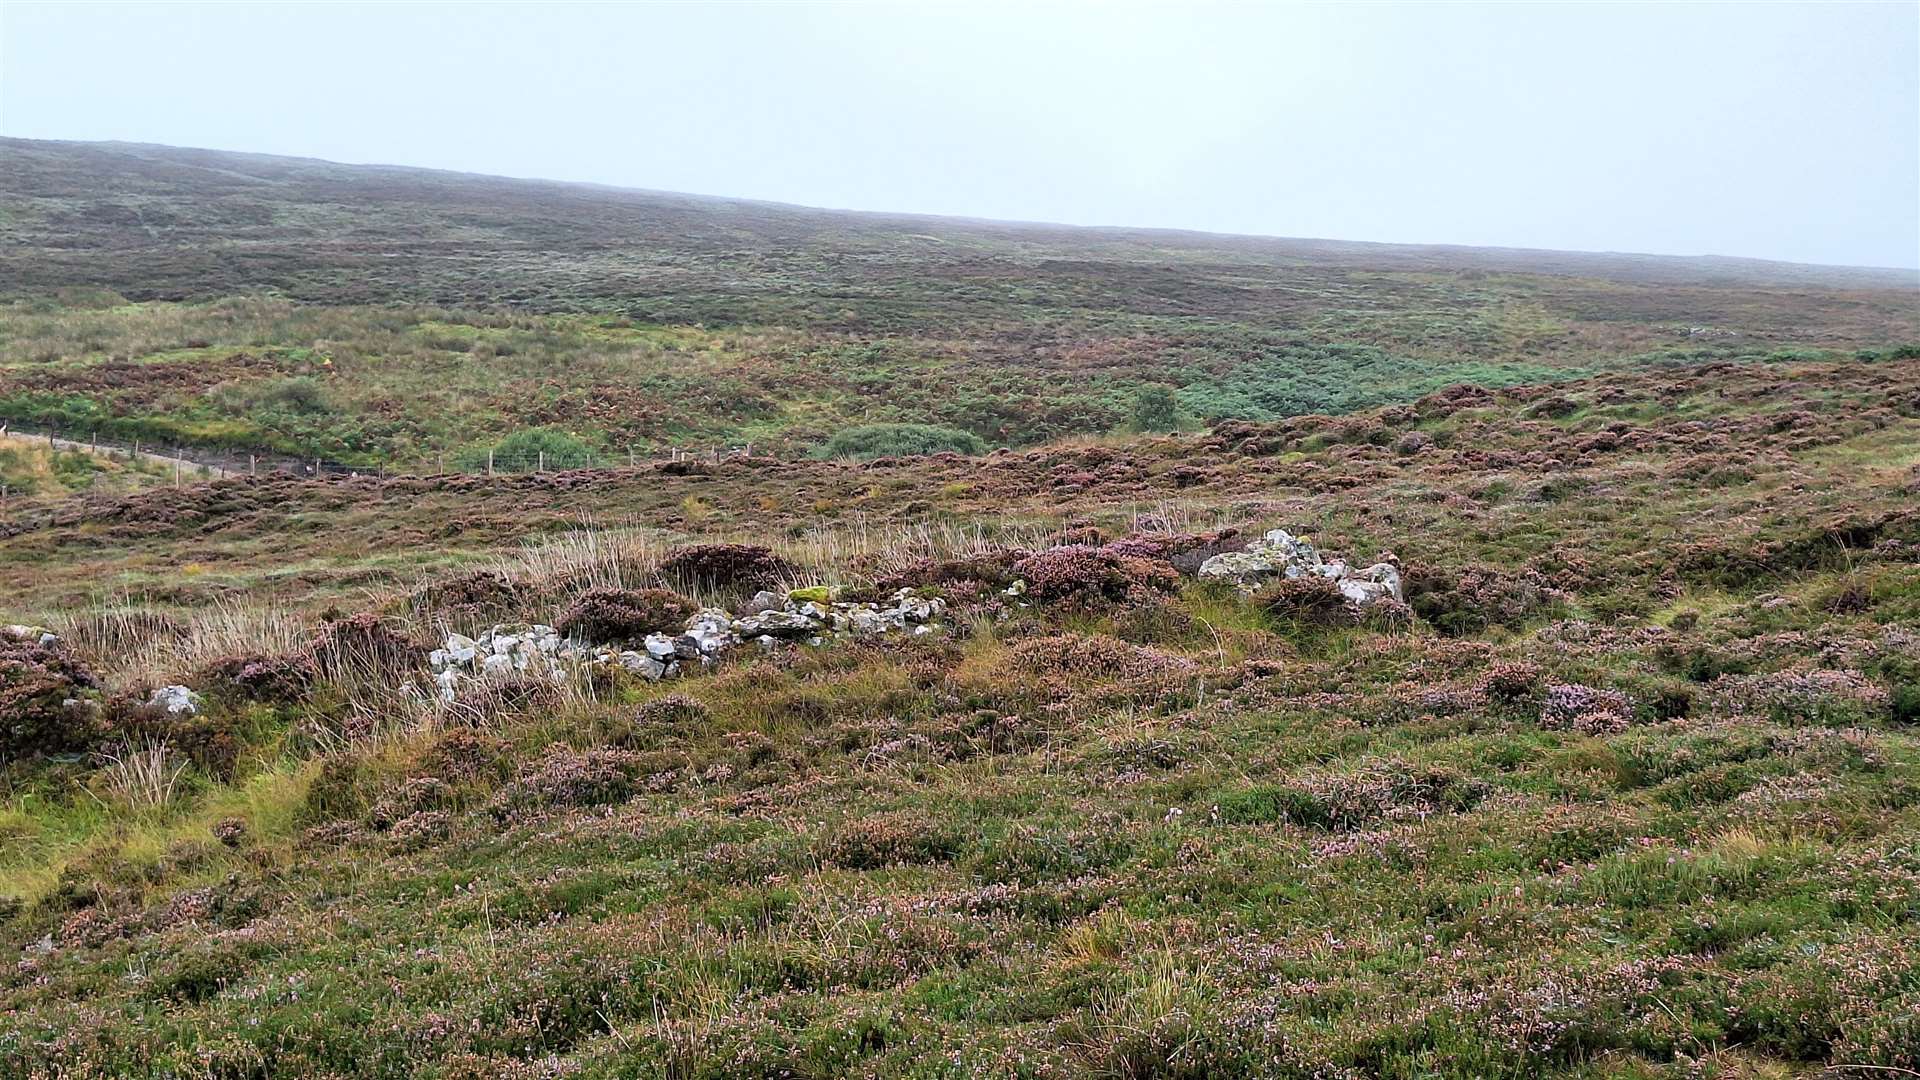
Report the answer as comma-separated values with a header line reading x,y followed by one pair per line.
x,y
671,711
988,571
565,778
889,839
1574,707
1475,598
1307,601
1388,790
624,616
259,677
1093,656
727,567
1512,682
1831,697
1185,552
1155,621
411,796
364,642
462,756
473,597
667,719
1087,576
49,702
139,721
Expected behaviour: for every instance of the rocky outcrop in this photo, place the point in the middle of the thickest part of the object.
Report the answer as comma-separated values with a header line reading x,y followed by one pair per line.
x,y
1280,554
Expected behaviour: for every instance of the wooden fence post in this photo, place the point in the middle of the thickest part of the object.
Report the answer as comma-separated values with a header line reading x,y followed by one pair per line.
x,y
542,467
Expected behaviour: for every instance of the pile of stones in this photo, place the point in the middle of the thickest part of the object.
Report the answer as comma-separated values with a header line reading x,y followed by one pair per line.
x,y
805,616
1281,554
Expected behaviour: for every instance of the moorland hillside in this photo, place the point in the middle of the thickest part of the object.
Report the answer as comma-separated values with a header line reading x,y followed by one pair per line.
x,y
388,317
1123,654
413,777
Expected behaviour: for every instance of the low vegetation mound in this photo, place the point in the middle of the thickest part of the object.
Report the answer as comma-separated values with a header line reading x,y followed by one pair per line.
x,y
49,703
469,598
364,642
624,615
1091,576
870,441
260,677
726,567
1471,599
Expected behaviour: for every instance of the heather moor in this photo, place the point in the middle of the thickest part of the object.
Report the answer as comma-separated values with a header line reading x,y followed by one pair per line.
x,y
460,627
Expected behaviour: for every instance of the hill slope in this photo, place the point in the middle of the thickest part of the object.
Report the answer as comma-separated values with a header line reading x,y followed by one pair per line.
x,y
198,223
382,315
1628,789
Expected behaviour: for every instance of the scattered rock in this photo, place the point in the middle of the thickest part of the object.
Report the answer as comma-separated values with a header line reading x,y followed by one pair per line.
x,y
1280,554
808,615
31,635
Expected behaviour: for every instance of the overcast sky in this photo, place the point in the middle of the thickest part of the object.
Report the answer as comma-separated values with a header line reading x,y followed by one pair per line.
x,y
1776,130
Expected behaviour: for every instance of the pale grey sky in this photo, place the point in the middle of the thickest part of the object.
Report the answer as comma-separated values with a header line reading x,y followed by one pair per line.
x,y
1773,130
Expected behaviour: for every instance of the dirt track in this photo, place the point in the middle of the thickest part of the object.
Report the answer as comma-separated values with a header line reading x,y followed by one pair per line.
x,y
184,465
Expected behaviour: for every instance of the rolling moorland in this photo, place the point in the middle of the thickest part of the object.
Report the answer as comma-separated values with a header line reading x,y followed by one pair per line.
x,y
1628,785
379,316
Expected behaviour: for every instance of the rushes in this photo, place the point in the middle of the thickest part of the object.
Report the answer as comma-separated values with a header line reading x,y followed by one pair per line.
x,y
144,775
140,644
592,556
629,556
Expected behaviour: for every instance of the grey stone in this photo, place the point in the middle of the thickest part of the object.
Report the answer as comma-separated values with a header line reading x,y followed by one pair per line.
x,y
176,700
779,624
1281,554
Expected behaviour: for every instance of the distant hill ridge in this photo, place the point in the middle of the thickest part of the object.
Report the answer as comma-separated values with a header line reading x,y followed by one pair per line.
x,y
190,223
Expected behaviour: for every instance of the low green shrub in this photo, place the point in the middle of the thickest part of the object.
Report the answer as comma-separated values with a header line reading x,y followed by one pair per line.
x,y
869,441
529,449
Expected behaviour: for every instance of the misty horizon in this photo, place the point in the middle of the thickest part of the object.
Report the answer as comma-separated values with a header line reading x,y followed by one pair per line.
x,y
640,188
1786,133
